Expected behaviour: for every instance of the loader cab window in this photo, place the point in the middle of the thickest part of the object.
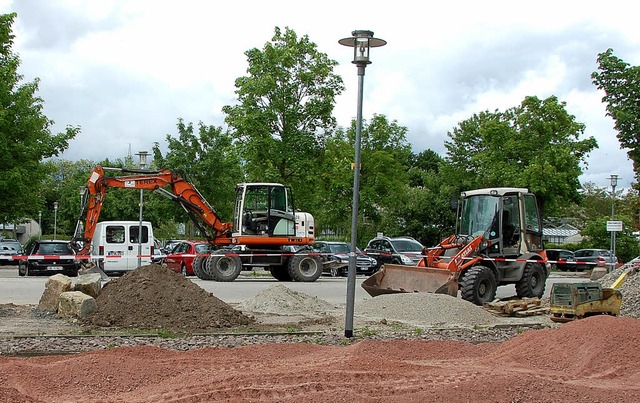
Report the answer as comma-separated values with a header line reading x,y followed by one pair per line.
x,y
510,225
480,215
532,222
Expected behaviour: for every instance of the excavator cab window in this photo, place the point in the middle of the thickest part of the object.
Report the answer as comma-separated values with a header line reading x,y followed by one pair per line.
x,y
510,225
480,215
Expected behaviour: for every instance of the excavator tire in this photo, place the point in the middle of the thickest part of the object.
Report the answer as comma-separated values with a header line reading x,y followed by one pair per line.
x,y
305,268
479,285
198,267
533,281
280,273
223,267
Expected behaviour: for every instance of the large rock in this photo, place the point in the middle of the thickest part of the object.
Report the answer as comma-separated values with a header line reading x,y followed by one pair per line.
x,y
75,304
90,284
56,285
598,272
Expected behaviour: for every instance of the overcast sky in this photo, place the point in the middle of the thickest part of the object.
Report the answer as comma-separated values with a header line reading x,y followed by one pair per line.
x,y
126,70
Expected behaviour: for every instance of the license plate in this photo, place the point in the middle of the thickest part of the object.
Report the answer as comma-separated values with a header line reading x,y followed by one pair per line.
x,y
54,267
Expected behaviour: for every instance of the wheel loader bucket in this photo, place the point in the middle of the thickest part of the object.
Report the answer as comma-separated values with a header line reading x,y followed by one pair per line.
x,y
395,278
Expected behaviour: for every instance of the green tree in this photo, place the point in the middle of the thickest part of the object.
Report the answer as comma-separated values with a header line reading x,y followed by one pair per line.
x,y
284,112
621,85
210,160
385,155
535,145
25,135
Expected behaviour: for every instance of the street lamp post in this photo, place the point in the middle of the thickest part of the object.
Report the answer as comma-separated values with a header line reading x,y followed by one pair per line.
x,y
361,42
143,164
55,219
614,183
40,223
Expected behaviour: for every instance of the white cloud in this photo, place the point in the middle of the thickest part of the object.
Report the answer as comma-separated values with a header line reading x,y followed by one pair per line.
x,y
127,70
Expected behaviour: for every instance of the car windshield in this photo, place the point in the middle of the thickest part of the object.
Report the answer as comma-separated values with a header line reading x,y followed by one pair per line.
x,y
10,246
583,253
53,249
203,248
339,248
406,245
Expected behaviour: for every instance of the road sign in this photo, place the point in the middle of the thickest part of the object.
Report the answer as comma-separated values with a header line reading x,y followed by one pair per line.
x,y
614,226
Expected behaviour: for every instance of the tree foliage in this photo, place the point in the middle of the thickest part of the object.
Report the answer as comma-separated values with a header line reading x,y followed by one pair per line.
x,y
535,145
621,85
25,135
284,111
209,159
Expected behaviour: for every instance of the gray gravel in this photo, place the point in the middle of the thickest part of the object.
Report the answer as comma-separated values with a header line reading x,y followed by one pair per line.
x,y
388,317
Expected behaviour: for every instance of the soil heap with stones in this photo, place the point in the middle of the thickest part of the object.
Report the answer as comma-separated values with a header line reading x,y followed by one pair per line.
x,y
156,298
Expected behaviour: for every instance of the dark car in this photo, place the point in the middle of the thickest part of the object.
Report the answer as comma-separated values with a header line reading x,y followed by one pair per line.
x,y
48,257
335,258
399,250
587,259
9,248
561,259
180,259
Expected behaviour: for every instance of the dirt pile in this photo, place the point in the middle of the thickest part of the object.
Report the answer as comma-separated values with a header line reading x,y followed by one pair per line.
x,y
282,300
630,289
591,360
154,297
425,309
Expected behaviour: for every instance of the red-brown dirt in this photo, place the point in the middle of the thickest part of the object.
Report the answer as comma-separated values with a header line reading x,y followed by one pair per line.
x,y
594,360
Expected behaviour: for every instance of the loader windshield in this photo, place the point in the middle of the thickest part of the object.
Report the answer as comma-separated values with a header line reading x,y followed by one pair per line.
x,y
479,214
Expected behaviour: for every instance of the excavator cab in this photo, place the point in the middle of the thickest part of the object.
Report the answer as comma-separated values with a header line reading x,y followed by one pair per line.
x,y
498,241
264,209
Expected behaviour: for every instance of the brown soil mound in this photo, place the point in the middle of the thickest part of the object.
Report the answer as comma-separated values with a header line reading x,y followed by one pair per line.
x,y
154,297
590,360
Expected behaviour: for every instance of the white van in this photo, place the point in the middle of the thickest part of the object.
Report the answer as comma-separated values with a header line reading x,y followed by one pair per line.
x,y
115,245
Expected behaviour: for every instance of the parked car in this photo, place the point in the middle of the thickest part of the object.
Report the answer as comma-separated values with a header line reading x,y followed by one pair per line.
x,y
399,250
589,258
180,259
8,249
562,259
335,258
48,257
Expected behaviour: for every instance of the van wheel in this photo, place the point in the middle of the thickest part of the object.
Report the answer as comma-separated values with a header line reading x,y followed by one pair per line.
x,y
223,267
199,263
533,281
478,285
305,268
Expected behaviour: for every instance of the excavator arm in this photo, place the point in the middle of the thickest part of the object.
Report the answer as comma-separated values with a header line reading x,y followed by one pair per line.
x,y
165,182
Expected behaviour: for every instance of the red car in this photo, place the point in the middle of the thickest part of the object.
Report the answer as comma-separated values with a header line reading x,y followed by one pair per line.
x,y
180,259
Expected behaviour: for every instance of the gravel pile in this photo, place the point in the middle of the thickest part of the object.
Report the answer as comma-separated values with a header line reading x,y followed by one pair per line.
x,y
281,300
630,289
426,309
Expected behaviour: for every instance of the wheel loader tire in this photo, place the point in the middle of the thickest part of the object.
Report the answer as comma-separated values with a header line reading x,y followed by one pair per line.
x,y
533,281
223,268
479,285
198,267
280,273
305,268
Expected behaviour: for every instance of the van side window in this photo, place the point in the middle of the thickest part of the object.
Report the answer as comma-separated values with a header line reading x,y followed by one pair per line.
x,y
133,234
115,234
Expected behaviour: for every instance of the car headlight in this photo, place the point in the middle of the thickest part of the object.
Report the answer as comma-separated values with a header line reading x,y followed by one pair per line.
x,y
405,259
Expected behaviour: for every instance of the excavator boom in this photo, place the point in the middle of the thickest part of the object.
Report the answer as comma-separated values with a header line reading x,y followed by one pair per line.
x,y
182,192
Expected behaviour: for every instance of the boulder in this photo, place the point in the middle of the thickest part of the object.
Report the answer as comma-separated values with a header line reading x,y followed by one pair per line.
x,y
56,285
598,272
75,304
90,284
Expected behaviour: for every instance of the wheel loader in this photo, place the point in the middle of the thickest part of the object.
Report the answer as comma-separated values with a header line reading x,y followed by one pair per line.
x,y
498,241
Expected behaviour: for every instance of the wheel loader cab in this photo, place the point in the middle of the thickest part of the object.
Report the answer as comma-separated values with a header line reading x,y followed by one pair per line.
x,y
500,215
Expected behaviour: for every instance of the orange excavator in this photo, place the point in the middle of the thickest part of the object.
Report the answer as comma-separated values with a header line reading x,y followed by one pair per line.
x,y
498,242
264,229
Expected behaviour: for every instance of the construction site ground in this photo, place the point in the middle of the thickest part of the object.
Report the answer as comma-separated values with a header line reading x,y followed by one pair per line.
x,y
156,338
